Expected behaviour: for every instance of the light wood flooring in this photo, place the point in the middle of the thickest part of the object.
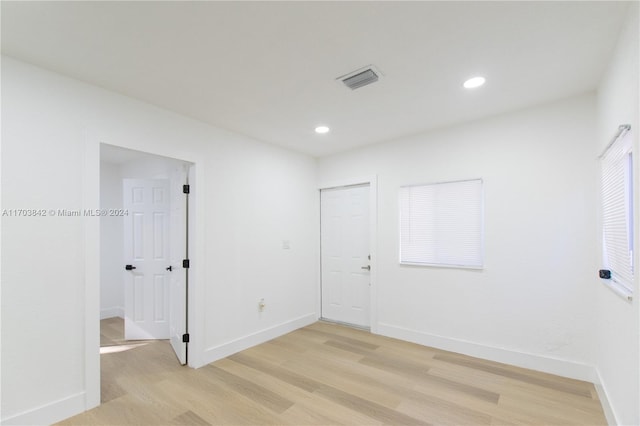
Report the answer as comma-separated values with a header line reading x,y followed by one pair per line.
x,y
327,374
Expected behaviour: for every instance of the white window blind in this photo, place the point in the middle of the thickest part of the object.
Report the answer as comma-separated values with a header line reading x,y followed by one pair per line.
x,y
442,224
617,210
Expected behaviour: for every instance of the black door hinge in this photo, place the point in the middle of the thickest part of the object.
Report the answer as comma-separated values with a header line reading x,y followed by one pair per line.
x,y
185,338
185,263
186,189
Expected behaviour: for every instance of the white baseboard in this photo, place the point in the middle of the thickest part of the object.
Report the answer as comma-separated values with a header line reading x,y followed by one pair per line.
x,y
560,367
229,348
115,311
49,413
604,401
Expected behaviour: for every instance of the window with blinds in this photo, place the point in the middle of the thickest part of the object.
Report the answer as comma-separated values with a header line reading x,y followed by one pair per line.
x,y
617,211
442,224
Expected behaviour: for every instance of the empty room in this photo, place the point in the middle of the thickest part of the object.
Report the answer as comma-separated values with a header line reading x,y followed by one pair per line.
x,y
318,213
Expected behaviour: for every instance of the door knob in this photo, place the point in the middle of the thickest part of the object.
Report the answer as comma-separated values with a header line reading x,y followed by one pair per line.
x,y
129,267
368,267
169,268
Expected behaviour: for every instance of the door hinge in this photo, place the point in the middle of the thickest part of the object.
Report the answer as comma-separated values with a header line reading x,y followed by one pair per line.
x,y
185,338
186,189
185,263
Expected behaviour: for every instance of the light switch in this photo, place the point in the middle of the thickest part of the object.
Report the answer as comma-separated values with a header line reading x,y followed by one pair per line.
x,y
285,245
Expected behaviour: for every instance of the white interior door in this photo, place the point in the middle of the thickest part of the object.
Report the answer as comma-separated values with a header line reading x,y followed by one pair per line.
x,y
345,254
146,251
178,252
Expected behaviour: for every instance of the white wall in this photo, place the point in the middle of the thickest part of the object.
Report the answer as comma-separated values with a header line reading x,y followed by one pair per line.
x,y
111,243
618,321
533,303
147,167
249,197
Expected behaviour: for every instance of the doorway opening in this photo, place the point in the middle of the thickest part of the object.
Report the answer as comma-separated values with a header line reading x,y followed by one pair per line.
x,y
144,250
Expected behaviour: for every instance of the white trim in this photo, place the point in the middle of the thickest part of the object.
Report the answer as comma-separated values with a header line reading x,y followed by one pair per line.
x,y
197,242
91,199
347,182
372,181
373,247
557,366
619,289
223,350
442,265
346,324
49,413
91,228
1,234
112,312
443,182
622,130
609,414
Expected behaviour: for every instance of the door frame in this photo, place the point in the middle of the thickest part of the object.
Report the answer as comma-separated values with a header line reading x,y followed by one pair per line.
x,y
91,228
372,181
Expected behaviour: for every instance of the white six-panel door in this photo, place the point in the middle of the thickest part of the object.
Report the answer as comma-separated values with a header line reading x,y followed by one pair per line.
x,y
345,254
146,229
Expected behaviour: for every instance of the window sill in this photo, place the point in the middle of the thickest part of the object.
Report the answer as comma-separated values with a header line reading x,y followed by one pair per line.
x,y
442,265
618,289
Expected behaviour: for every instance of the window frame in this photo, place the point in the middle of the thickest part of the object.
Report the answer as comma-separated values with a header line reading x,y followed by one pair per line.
x,y
619,153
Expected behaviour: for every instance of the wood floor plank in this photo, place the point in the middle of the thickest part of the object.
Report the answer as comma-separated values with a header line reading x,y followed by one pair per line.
x,y
383,342
279,387
312,411
257,393
277,372
216,402
110,389
328,377
189,418
562,385
340,344
353,341
549,414
441,412
300,414
418,372
328,351
365,406
126,410
307,408
503,385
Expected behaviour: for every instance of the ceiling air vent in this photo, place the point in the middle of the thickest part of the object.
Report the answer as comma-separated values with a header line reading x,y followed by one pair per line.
x,y
361,77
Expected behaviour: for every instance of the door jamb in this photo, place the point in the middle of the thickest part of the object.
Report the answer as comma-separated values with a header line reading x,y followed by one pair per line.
x,y
373,243
91,228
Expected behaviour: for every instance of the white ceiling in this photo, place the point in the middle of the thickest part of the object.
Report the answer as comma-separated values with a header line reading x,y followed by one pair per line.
x,y
268,69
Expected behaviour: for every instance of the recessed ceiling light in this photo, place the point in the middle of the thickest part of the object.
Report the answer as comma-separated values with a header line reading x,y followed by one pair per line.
x,y
474,82
322,129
